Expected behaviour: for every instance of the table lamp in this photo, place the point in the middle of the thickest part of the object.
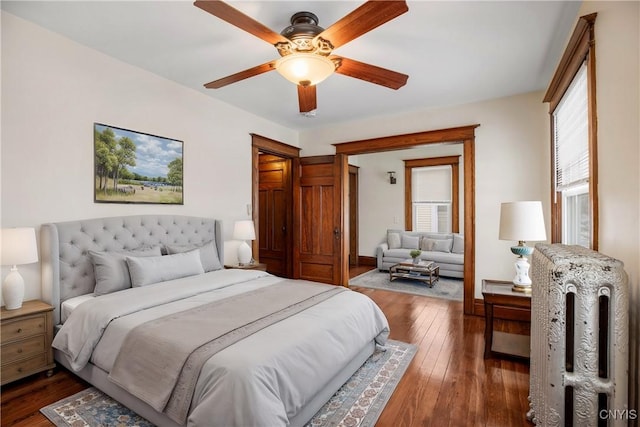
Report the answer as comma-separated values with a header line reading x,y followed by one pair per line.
x,y
522,221
18,247
244,230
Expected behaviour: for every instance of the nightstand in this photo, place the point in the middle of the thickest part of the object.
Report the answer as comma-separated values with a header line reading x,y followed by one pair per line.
x,y
500,293
252,266
25,335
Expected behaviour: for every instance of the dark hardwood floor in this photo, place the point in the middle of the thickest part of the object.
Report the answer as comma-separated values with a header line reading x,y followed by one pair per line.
x,y
447,384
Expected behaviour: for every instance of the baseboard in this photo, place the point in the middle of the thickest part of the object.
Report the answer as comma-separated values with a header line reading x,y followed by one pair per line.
x,y
367,260
499,312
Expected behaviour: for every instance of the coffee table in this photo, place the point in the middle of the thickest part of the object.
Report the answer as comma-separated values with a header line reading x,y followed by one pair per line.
x,y
425,271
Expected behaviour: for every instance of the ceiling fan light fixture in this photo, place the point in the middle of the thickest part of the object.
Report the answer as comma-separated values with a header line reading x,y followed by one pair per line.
x,y
305,69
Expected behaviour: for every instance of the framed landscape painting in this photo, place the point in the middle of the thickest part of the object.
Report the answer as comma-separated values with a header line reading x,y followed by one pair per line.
x,y
136,167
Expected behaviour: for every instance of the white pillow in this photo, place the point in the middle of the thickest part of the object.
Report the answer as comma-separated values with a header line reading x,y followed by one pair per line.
x,y
443,245
111,271
393,240
410,242
145,271
208,254
458,244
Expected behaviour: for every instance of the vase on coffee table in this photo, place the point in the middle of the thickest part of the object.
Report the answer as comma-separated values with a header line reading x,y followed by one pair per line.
x,y
415,254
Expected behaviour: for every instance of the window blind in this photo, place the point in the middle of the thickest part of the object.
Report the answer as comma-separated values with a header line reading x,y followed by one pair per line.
x,y
431,183
571,134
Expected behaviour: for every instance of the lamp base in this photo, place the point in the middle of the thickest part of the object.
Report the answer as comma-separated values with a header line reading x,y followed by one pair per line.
x,y
522,282
524,289
244,254
13,290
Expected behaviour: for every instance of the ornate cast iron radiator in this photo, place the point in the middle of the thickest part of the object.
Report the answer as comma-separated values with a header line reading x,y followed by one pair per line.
x,y
579,338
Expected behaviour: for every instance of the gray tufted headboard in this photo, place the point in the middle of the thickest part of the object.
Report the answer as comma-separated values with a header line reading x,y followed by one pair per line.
x,y
67,270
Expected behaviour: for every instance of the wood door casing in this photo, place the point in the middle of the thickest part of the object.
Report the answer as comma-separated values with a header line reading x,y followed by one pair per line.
x,y
274,189
353,216
319,193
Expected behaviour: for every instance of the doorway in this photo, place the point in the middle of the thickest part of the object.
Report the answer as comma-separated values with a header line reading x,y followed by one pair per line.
x,y
274,215
463,135
271,203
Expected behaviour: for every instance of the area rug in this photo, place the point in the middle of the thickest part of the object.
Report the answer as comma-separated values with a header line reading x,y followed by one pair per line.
x,y
359,402
445,287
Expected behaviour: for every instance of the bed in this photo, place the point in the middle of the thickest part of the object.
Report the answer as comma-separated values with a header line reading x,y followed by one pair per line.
x,y
237,347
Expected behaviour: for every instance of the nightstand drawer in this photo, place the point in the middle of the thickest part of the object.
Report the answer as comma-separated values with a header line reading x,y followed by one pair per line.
x,y
22,328
22,349
22,368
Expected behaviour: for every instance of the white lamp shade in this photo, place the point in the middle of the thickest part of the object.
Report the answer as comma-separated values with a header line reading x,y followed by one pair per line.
x,y
305,69
522,221
244,230
18,246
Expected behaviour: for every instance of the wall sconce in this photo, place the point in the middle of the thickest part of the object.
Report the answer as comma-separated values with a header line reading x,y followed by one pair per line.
x,y
392,177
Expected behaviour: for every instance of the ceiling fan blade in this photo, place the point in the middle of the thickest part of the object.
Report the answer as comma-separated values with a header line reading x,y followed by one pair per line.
x,y
233,16
370,73
307,98
365,18
251,72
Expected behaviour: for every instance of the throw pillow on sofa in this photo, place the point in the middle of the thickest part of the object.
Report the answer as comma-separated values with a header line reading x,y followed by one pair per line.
x,y
393,240
442,245
458,244
426,244
410,242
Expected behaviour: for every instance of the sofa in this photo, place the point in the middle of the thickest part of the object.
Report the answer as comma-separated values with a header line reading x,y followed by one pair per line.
x,y
445,249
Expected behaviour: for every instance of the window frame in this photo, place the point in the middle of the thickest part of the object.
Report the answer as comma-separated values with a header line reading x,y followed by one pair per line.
x,y
580,49
452,161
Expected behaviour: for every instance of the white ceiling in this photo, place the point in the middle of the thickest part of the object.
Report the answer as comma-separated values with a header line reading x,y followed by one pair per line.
x,y
454,52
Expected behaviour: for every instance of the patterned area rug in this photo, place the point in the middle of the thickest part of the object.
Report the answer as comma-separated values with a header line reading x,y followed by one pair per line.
x,y
445,287
359,402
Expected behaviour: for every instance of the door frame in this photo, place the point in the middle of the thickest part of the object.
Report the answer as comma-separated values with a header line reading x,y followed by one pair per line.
x,y
263,144
353,215
464,135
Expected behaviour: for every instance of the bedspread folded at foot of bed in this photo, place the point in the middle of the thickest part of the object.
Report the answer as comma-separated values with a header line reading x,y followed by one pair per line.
x,y
189,338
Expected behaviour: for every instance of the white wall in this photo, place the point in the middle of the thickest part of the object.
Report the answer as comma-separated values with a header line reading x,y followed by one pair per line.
x,y
617,32
512,163
53,90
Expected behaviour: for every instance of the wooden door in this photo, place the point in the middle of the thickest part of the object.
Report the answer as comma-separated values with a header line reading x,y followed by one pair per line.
x,y
274,217
320,191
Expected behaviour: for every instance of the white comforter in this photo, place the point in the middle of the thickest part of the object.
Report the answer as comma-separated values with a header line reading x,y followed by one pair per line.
x,y
262,380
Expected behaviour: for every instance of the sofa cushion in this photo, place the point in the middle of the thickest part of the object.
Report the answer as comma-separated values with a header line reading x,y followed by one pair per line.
x,y
443,257
400,253
442,245
458,244
410,242
393,240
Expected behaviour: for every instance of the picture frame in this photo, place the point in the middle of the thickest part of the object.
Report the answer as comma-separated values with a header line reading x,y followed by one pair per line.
x,y
136,167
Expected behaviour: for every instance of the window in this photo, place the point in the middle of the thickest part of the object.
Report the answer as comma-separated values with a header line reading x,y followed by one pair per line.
x,y
575,216
432,216
431,202
571,153
431,196
571,94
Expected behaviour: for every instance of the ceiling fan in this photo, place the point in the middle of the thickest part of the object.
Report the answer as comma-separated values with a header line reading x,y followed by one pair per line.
x,y
305,48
